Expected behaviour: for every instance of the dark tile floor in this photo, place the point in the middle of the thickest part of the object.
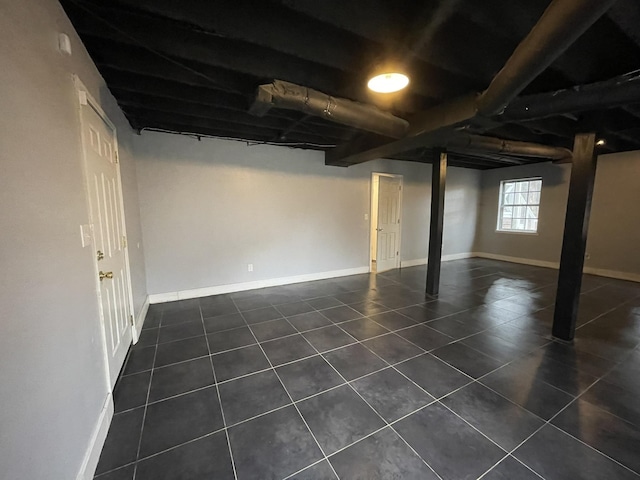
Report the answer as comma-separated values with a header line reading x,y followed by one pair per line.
x,y
363,378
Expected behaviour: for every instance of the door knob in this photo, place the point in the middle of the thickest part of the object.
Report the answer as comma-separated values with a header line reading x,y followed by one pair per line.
x,y
379,229
104,275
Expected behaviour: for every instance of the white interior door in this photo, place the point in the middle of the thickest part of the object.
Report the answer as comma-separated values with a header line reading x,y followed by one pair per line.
x,y
105,201
388,230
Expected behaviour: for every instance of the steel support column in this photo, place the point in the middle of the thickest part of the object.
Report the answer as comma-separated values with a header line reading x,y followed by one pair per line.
x,y
576,226
438,183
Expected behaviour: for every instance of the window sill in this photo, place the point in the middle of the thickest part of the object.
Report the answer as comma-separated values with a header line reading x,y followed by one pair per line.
x,y
517,232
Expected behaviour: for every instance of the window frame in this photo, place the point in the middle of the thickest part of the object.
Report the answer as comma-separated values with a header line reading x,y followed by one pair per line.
x,y
501,206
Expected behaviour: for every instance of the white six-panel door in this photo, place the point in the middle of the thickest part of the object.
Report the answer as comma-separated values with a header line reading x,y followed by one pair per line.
x,y
103,188
388,231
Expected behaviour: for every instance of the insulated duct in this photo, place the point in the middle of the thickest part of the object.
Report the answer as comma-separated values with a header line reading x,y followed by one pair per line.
x,y
281,94
478,143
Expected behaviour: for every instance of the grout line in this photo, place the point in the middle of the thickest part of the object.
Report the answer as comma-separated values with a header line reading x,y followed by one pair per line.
x,y
224,420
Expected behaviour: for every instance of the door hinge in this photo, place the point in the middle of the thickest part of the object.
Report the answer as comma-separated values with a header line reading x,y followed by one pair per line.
x,y
133,323
117,157
124,241
398,220
397,253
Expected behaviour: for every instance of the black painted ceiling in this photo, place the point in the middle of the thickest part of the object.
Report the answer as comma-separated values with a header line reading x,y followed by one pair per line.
x,y
193,66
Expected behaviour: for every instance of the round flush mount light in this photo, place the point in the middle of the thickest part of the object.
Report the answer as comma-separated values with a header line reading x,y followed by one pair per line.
x,y
388,82
601,143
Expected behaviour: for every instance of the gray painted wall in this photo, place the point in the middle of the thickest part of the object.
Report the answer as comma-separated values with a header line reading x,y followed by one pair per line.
x,y
211,207
51,358
614,233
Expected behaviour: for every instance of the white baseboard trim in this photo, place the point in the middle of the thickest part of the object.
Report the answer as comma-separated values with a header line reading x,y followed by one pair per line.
x,y
523,261
601,272
445,258
240,287
140,319
92,455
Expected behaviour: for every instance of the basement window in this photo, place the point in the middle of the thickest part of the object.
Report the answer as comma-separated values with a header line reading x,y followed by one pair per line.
x,y
519,205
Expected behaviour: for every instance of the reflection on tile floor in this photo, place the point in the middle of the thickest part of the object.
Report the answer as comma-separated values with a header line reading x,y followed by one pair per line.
x,y
364,377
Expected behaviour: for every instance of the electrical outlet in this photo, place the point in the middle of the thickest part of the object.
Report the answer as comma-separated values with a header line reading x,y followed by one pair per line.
x,y
250,267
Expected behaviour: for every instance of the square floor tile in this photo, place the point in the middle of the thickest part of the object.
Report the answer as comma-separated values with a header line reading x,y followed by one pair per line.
x,y
495,347
121,444
239,362
253,395
604,432
124,473
557,456
453,328
341,314
319,471
218,309
467,360
272,329
252,302
328,338
296,308
180,378
324,302
369,308
425,337
261,315
181,350
450,446
363,328
354,361
181,331
502,421
308,321
419,313
148,338
288,349
308,377
536,396
223,322
274,445
392,320
139,360
432,374
131,391
391,394
558,374
230,339
619,401
179,419
205,458
577,359
510,469
381,456
338,418
392,348
180,316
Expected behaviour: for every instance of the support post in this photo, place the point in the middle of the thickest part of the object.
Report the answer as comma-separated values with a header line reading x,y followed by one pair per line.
x,y
574,243
438,183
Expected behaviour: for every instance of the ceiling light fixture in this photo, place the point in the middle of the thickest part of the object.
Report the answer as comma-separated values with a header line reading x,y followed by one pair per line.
x,y
601,143
388,82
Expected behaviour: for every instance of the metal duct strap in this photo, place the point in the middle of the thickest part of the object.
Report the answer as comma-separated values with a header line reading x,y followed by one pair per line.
x,y
281,94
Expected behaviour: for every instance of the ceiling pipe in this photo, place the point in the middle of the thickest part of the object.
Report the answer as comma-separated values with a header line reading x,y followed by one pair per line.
x,y
615,92
477,143
560,25
290,96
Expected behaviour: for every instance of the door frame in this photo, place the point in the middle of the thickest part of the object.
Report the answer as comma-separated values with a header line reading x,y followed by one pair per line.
x,y
373,216
84,98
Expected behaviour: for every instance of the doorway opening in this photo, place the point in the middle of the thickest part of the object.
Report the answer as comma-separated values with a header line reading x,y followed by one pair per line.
x,y
386,215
